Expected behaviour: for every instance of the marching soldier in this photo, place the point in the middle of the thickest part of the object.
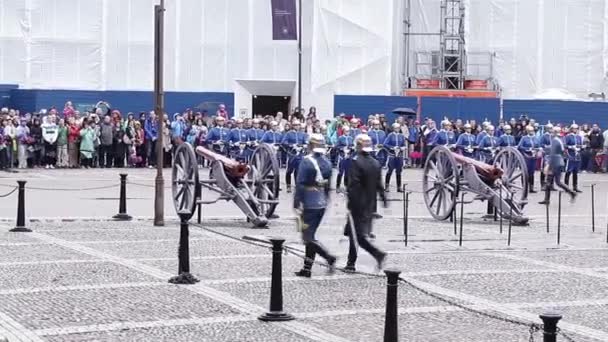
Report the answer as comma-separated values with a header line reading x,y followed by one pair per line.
x,y
378,136
545,143
273,137
506,139
238,141
293,142
345,145
310,200
466,142
364,185
529,147
574,146
555,167
355,129
219,136
488,145
395,144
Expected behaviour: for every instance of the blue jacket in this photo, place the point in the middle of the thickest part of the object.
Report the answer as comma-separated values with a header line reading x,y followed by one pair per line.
x,y
151,129
526,143
178,129
488,141
414,132
378,136
556,154
573,141
394,140
219,134
506,140
294,138
465,140
431,136
310,194
255,134
480,137
271,137
444,137
346,140
238,135
354,132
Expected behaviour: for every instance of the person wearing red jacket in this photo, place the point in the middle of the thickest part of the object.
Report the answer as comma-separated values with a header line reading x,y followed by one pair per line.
x,y
73,139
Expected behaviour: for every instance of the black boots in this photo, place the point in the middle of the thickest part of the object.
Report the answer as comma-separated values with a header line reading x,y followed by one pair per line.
x,y
309,254
575,182
531,184
311,249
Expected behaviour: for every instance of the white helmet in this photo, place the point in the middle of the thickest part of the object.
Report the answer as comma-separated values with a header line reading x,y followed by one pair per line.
x,y
507,128
317,143
364,143
396,125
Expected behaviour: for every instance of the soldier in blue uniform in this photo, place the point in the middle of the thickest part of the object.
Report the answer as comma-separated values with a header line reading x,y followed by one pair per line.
x,y
293,142
445,136
466,142
219,136
574,146
345,149
378,136
488,146
483,133
545,143
395,144
555,167
355,130
529,146
238,141
254,137
273,137
428,137
506,139
310,200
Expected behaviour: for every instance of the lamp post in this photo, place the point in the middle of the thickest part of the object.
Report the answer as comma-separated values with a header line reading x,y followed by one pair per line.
x,y
159,105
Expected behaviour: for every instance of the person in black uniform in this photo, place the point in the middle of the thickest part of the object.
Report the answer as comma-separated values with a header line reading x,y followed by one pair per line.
x,y
310,200
555,167
364,185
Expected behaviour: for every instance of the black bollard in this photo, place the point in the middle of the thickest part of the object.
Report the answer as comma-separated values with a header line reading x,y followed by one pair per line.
x,y
276,286
20,227
510,221
199,211
550,326
559,217
406,205
593,208
391,318
461,218
547,216
183,270
122,204
500,205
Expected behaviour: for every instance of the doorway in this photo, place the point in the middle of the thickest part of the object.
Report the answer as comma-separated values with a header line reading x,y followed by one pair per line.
x,y
270,105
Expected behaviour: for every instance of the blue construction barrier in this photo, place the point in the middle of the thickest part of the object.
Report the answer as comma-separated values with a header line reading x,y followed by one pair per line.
x,y
556,111
363,106
30,100
463,108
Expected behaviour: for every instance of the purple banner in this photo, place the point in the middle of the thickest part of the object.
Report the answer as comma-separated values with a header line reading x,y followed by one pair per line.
x,y
284,20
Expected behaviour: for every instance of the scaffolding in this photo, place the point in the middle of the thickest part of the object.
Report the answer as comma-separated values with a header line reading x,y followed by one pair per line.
x,y
446,67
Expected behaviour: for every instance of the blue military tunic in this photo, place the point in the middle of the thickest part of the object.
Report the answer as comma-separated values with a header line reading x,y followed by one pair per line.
x,y
574,145
486,148
395,160
272,137
290,140
506,140
345,142
528,146
444,137
378,136
238,136
217,135
466,144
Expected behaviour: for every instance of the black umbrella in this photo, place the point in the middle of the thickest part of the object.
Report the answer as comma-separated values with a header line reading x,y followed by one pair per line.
x,y
209,106
404,111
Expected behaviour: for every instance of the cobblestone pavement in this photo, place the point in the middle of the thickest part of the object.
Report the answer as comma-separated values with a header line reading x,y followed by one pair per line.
x,y
96,280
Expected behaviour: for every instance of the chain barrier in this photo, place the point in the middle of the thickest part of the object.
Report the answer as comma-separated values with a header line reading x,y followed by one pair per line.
x,y
79,189
145,185
564,335
10,192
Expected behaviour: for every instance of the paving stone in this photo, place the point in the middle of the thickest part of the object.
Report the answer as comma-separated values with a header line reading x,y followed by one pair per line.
x,y
123,235
68,274
525,287
167,250
321,295
39,253
252,331
233,268
582,259
453,262
98,306
15,237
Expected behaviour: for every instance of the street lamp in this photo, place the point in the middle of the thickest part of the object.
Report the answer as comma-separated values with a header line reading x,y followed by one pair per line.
x,y
159,108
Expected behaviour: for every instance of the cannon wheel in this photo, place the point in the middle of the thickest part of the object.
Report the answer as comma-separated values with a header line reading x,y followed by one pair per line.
x,y
264,179
515,176
440,182
184,179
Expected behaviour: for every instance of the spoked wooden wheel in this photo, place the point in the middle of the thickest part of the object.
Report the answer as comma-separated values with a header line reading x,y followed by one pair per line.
x,y
184,180
440,182
515,176
263,179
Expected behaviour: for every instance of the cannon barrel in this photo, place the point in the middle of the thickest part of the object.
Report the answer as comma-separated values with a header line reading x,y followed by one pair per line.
x,y
232,167
486,171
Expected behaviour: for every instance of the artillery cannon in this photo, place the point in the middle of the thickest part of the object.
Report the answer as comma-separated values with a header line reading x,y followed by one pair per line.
x,y
447,173
253,187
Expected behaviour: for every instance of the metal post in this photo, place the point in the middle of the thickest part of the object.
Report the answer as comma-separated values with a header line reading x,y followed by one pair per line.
x,y
276,286
391,318
461,218
547,216
300,56
559,217
159,108
550,326
183,270
122,203
20,226
500,206
406,205
199,211
593,208
454,216
510,221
